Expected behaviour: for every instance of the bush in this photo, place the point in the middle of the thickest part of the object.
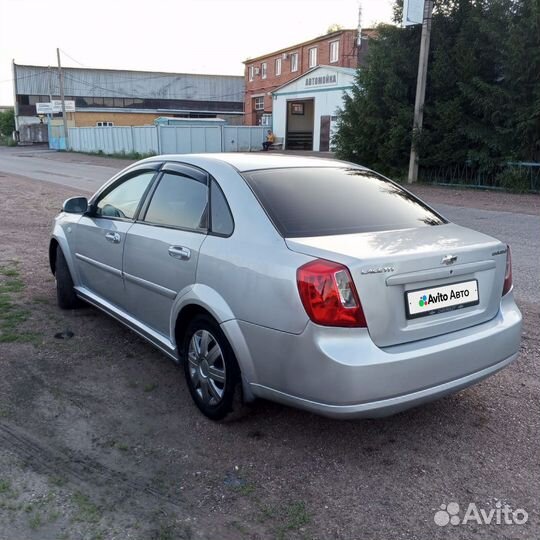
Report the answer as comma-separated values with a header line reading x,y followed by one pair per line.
x,y
514,179
7,123
7,141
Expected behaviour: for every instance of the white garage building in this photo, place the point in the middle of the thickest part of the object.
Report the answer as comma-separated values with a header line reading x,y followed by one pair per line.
x,y
304,110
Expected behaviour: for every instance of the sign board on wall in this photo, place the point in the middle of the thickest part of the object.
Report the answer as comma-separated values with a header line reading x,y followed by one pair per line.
x,y
413,12
55,106
328,79
69,104
44,108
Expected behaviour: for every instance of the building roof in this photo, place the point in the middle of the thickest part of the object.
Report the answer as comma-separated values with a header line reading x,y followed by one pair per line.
x,y
82,82
366,32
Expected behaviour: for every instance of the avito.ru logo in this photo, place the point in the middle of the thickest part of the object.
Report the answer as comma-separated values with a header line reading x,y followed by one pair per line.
x,y
425,300
500,515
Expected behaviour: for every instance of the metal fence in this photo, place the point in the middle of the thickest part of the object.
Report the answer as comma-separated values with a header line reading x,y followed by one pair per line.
x,y
519,176
57,140
166,139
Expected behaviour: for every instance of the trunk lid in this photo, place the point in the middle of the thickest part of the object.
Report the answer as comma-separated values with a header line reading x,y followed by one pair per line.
x,y
386,265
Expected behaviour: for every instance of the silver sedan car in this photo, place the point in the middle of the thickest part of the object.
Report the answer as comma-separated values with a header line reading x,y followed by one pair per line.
x,y
315,283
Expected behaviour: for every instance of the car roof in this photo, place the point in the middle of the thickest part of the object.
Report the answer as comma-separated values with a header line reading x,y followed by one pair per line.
x,y
250,161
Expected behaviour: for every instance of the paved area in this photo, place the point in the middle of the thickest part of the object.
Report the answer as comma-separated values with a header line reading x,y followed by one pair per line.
x,y
99,438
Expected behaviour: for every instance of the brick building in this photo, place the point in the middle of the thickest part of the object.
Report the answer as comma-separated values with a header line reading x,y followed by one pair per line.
x,y
268,72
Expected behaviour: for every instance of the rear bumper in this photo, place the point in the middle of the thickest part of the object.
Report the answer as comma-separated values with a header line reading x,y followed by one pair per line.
x,y
384,407
339,372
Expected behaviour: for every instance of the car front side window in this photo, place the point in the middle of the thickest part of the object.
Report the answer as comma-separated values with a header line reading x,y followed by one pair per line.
x,y
179,201
123,200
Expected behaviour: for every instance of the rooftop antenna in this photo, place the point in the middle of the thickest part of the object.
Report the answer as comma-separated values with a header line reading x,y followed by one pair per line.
x,y
359,38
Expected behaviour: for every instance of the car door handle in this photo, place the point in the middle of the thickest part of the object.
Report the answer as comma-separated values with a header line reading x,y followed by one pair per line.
x,y
113,237
180,252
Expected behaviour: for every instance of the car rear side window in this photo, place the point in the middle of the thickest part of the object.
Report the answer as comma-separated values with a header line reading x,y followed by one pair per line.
x,y
221,220
322,201
179,201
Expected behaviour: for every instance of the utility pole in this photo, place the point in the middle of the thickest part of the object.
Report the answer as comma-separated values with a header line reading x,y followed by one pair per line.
x,y
15,104
61,77
420,87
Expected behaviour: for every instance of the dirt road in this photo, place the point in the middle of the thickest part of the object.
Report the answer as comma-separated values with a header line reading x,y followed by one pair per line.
x,y
99,438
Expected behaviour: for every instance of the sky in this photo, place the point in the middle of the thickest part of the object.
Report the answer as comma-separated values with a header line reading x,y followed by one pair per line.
x,y
185,36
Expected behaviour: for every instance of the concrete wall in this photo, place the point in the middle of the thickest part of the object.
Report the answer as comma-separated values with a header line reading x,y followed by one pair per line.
x,y
33,133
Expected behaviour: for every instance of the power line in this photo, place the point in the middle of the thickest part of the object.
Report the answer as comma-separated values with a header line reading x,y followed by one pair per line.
x,y
25,76
71,58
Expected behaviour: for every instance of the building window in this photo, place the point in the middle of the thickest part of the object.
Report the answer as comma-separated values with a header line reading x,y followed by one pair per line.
x,y
266,120
263,70
251,73
294,61
312,57
334,51
278,67
104,124
259,103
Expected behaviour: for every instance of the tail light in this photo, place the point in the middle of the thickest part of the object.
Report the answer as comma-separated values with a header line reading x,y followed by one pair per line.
x,y
508,274
329,295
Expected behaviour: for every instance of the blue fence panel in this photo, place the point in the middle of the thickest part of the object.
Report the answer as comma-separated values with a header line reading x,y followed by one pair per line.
x,y
163,139
57,139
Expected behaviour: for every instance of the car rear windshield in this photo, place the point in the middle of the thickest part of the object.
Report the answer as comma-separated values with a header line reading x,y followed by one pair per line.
x,y
321,201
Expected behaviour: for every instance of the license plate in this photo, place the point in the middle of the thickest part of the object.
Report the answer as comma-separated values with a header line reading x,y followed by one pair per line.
x,y
423,302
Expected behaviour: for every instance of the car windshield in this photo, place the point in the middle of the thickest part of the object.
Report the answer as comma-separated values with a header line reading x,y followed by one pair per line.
x,y
322,201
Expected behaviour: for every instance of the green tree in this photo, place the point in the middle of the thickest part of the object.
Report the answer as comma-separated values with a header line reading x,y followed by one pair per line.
x,y
374,127
522,81
7,122
334,28
482,97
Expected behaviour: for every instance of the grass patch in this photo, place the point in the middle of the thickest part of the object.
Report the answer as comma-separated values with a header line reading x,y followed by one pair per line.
x,y
87,510
53,516
7,141
288,517
165,533
40,300
246,489
297,515
11,314
35,521
57,481
5,486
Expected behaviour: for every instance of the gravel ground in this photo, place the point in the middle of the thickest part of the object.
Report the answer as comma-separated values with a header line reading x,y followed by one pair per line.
x,y
99,438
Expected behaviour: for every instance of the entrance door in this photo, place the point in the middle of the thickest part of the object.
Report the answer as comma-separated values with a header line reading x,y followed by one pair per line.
x,y
300,114
324,144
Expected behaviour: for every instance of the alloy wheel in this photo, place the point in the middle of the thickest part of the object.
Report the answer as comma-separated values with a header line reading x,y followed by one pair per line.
x,y
206,367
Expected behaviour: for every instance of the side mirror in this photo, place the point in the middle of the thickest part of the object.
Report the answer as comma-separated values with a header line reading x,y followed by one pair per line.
x,y
75,205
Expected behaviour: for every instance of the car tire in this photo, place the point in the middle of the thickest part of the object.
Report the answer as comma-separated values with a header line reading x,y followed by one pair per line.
x,y
65,293
211,370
